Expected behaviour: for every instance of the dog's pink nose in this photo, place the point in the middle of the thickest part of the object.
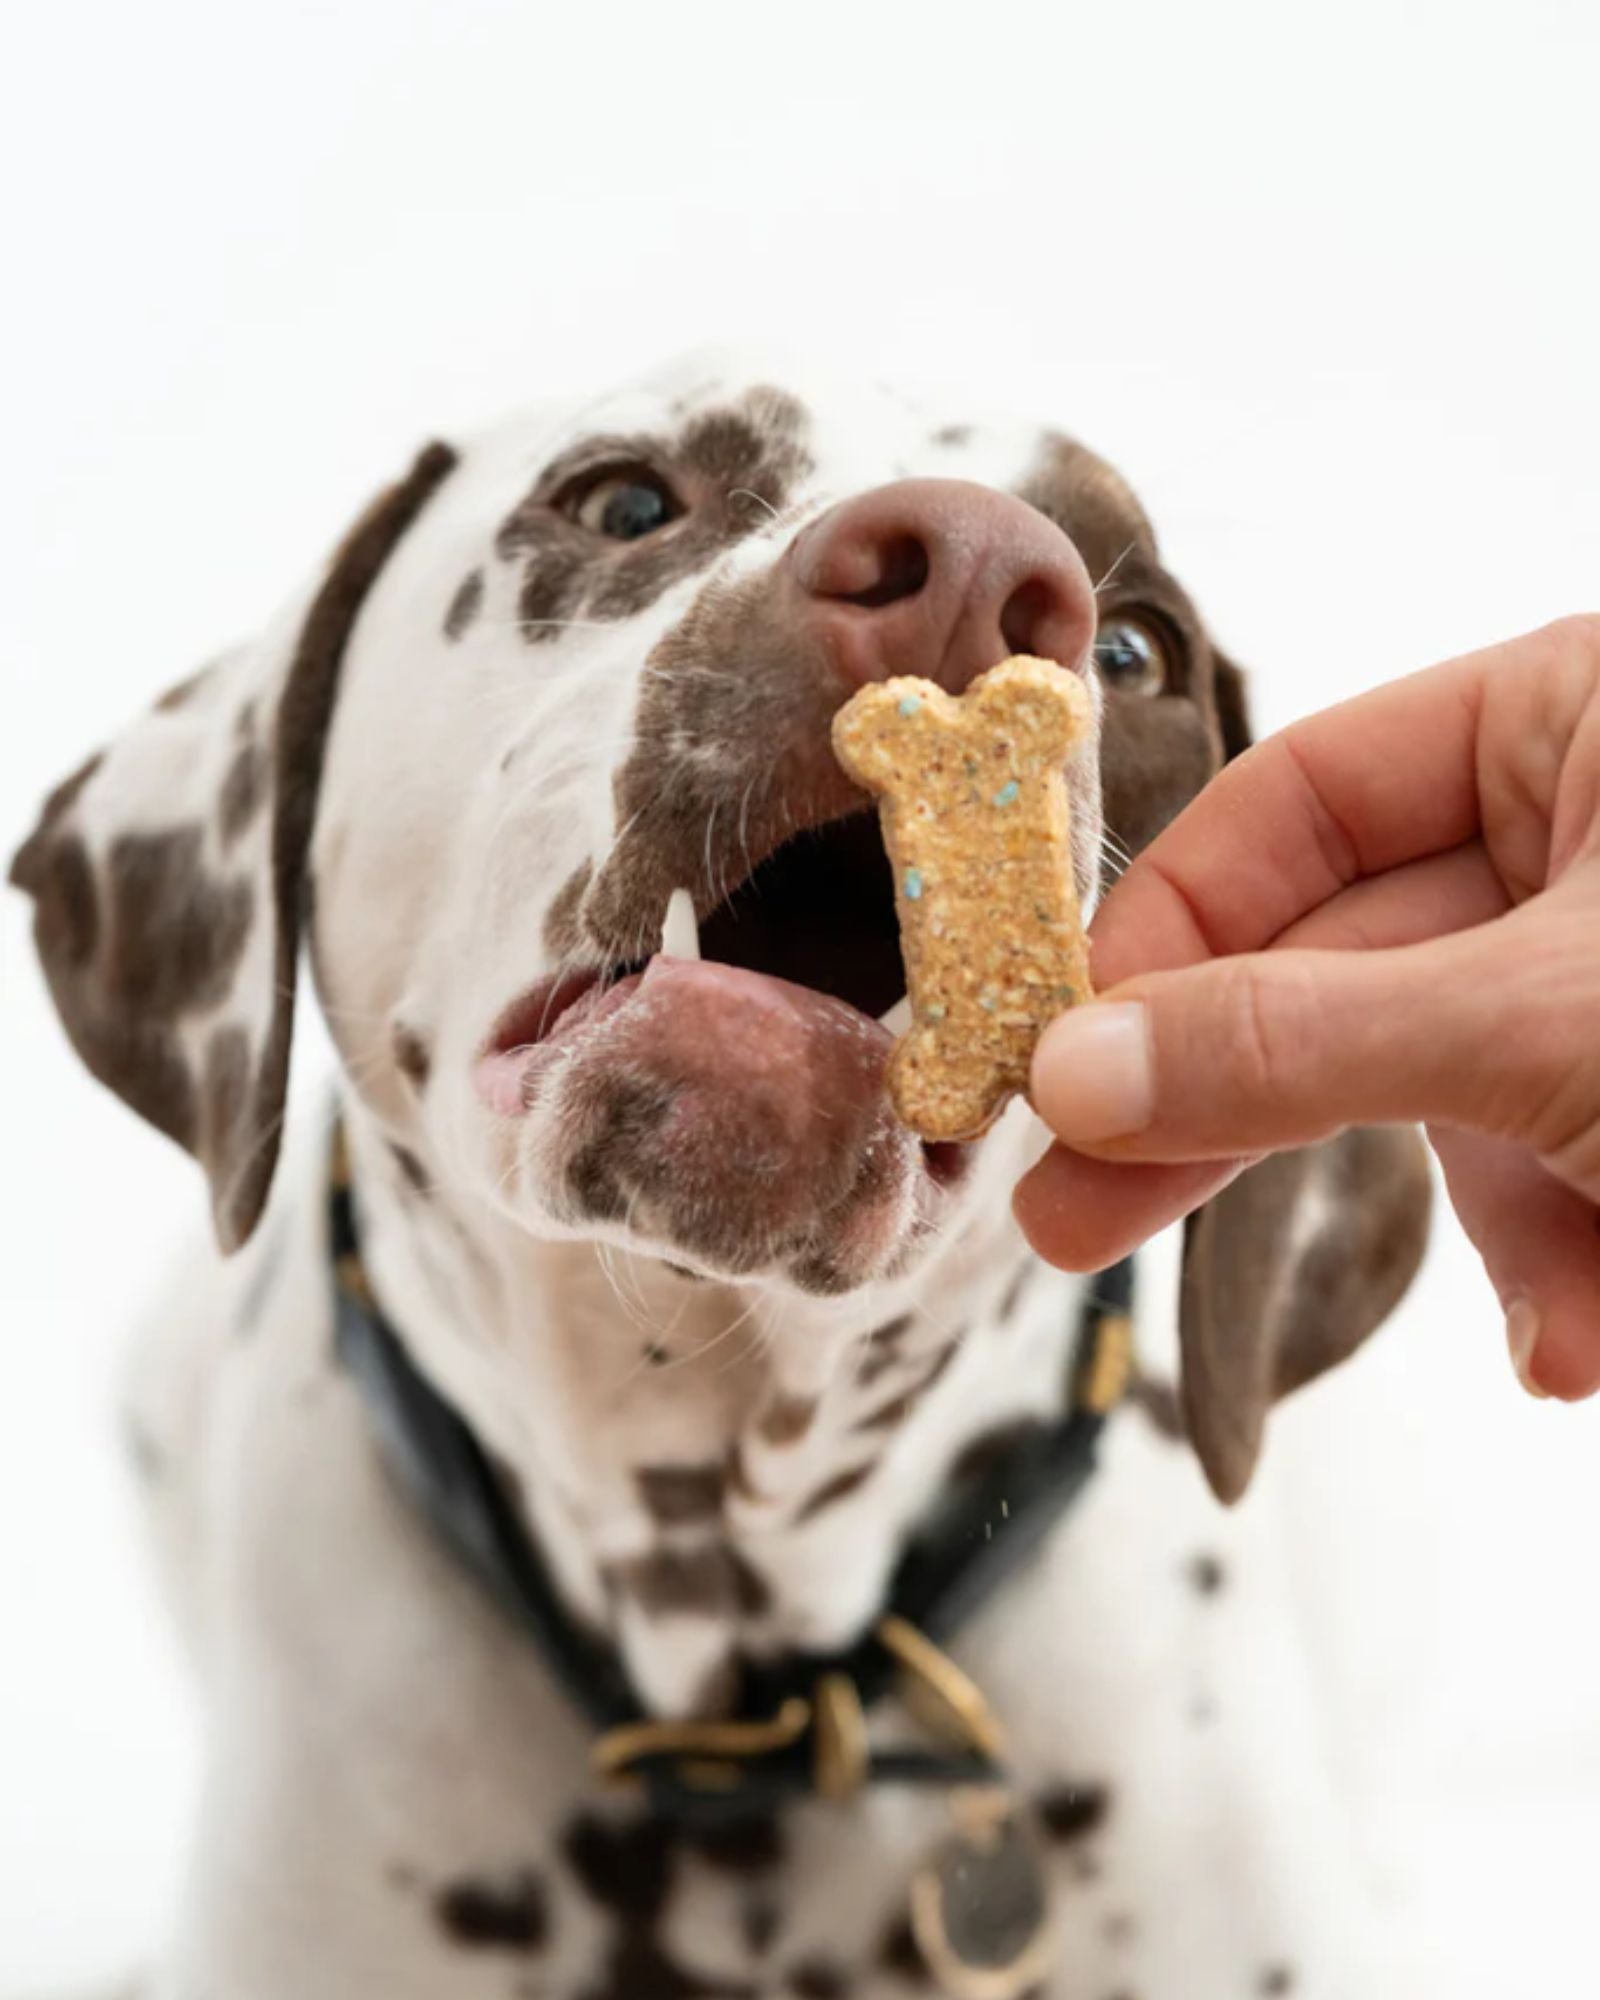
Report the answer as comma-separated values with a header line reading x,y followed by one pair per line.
x,y
942,578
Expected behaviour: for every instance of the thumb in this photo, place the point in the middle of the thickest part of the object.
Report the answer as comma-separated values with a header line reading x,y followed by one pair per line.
x,y
1483,1029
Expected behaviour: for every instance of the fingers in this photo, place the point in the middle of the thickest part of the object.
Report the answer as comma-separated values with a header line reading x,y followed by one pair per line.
x,y
1421,899
1389,778
1081,1214
1355,791
1490,1029
1540,1244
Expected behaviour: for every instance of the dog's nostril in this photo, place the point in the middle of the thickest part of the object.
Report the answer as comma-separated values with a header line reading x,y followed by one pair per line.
x,y
903,571
1032,620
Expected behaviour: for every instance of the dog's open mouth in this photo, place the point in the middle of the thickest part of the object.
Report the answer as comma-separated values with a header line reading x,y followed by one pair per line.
x,y
812,929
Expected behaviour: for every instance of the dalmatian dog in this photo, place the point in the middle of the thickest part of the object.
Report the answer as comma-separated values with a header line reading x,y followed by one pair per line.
x,y
535,776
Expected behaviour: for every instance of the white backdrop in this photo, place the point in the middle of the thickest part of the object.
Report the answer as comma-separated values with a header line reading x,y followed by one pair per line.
x,y
1323,283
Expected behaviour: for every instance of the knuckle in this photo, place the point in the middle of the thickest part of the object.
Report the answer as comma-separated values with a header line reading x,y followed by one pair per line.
x,y
1578,632
1266,1018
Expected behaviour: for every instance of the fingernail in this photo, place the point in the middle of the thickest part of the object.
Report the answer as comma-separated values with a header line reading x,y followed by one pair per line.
x,y
1091,1072
1522,1337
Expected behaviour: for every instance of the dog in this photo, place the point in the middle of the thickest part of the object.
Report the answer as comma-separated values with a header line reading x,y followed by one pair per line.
x,y
535,775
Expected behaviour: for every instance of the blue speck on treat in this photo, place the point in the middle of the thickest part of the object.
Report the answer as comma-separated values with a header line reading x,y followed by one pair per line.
x,y
913,884
1007,793
910,703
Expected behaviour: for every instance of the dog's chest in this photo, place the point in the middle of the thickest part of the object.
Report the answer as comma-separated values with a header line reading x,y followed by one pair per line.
x,y
1137,1664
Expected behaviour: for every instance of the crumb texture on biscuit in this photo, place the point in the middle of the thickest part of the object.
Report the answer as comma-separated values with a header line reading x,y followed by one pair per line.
x,y
972,797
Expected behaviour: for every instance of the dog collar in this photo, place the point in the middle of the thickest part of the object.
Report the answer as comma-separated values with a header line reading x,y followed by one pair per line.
x,y
801,1727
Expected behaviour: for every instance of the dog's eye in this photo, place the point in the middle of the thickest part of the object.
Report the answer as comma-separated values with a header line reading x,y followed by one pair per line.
x,y
626,506
1132,656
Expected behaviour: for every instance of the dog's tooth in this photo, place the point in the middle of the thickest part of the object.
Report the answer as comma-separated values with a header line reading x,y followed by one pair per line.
x,y
680,934
898,1018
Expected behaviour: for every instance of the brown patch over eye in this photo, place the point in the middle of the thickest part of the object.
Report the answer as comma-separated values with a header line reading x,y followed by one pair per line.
x,y
605,532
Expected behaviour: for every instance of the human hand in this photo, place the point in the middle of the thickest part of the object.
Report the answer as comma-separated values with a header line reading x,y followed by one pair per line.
x,y
1390,911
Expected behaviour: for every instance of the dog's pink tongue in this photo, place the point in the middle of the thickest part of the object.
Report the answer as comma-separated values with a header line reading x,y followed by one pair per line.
x,y
721,1033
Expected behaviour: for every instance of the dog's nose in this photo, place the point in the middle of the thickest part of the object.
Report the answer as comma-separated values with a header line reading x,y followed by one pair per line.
x,y
942,578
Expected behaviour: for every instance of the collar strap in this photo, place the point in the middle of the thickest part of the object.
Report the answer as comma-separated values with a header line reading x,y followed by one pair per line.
x,y
801,1728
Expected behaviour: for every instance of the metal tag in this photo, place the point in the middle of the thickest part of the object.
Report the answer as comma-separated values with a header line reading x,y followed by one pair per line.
x,y
980,1909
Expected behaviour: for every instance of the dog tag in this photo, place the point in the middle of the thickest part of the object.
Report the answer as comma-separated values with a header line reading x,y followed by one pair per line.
x,y
980,1909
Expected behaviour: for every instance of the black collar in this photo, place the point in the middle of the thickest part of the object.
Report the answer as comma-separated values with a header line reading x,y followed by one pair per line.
x,y
801,1722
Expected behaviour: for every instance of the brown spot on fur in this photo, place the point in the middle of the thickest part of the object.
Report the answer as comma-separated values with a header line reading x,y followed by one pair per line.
x,y
676,1494
411,1055
507,1915
887,1415
1277,1979
465,605
178,695
1070,1813
1206,1575
709,1582
412,1169
244,792
819,1979
1120,1927
953,434
787,1418
883,1350
177,933
838,1488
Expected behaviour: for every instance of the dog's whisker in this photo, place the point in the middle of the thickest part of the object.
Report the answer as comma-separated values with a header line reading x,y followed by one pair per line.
x,y
1114,567
747,493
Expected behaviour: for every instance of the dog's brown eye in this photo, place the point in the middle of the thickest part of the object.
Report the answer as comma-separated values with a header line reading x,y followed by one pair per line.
x,y
1131,656
627,506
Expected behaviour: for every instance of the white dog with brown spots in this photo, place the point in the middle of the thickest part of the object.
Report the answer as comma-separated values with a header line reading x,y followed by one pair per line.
x,y
538,773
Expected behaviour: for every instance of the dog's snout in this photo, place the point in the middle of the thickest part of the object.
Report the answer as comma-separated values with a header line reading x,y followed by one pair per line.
x,y
942,578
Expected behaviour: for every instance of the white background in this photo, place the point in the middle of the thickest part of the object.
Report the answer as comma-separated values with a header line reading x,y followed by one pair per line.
x,y
1322,281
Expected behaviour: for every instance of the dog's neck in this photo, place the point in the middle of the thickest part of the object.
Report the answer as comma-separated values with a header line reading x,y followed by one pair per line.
x,y
712,1471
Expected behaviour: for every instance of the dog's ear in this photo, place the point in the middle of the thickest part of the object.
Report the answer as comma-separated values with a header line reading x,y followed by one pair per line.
x,y
1285,1274
169,877
1289,1269
1233,708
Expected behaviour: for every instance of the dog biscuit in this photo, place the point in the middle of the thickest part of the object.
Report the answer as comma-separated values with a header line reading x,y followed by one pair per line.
x,y
972,796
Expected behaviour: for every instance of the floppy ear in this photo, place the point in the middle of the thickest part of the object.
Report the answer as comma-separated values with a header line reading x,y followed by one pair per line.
x,y
1285,1274
1288,1270
1233,709
169,877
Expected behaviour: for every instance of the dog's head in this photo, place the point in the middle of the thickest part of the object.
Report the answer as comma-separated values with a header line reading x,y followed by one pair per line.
x,y
550,680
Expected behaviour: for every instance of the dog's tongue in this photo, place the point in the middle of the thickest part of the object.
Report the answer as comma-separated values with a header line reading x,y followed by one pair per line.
x,y
719,1031
716,1035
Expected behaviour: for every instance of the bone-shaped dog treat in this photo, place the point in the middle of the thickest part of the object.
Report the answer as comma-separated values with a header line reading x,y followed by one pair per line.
x,y
972,794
